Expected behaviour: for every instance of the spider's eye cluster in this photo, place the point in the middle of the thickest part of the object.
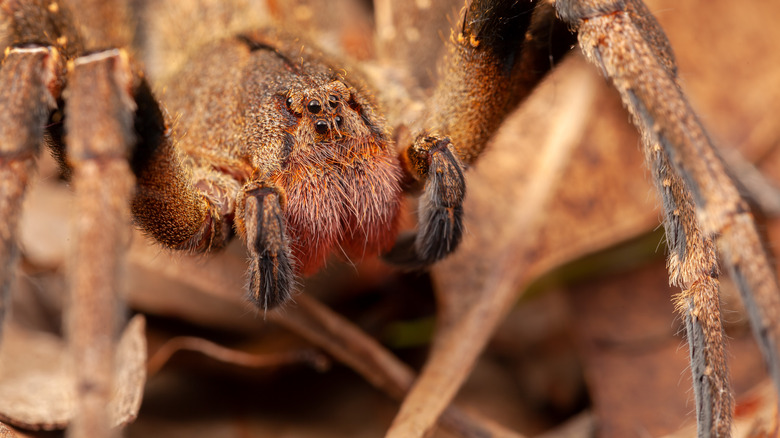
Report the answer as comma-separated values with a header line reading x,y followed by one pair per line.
x,y
324,108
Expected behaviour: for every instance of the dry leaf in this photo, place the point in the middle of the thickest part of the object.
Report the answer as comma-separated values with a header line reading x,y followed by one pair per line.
x,y
37,387
635,361
214,280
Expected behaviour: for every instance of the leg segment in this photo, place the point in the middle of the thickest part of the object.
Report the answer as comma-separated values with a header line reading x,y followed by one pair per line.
x,y
39,22
625,41
30,87
441,205
693,266
499,54
433,160
260,222
99,126
166,204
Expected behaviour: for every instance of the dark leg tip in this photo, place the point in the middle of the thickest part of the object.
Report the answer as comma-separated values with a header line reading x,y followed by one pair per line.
x,y
440,227
441,205
270,281
271,270
440,233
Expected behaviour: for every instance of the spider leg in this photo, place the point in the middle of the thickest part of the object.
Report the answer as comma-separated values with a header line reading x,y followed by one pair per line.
x,y
166,204
433,159
693,266
99,138
625,41
29,77
260,221
100,134
186,214
499,54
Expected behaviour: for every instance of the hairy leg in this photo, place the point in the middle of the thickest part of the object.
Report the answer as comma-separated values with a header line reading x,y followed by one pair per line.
x,y
99,127
495,59
693,267
625,41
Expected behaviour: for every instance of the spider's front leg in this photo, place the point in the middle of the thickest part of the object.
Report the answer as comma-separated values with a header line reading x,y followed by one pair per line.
x,y
195,209
432,161
496,58
100,135
260,222
45,54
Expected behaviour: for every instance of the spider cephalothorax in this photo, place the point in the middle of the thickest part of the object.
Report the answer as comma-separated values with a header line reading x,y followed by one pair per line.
x,y
304,141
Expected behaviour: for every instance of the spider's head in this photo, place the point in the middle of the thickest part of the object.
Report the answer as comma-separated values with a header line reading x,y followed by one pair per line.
x,y
329,116
335,164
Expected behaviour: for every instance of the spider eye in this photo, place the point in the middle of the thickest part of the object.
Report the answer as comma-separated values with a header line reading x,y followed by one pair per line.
x,y
321,126
339,121
314,106
333,101
289,103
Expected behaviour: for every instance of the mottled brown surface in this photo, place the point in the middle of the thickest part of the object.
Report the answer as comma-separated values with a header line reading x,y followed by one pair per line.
x,y
604,199
39,389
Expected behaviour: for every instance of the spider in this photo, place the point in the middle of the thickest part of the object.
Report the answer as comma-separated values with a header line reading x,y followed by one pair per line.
x,y
262,135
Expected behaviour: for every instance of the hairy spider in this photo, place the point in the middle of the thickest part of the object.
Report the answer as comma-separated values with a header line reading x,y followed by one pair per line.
x,y
263,135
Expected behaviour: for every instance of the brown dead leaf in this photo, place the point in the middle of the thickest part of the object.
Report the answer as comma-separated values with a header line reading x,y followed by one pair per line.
x,y
37,387
409,35
218,280
581,426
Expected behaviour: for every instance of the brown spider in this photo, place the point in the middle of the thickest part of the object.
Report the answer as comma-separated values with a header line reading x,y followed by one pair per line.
x,y
264,136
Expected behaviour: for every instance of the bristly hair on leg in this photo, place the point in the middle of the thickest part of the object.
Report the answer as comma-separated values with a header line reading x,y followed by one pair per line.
x,y
271,273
